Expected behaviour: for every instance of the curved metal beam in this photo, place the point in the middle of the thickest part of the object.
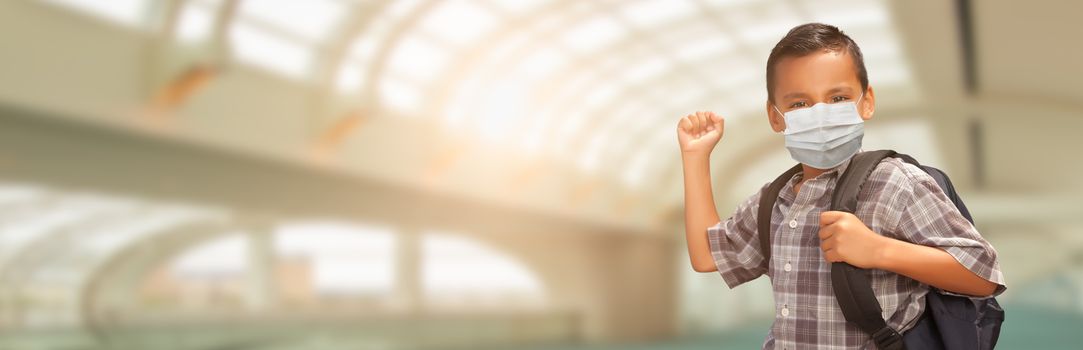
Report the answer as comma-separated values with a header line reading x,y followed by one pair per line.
x,y
15,272
123,268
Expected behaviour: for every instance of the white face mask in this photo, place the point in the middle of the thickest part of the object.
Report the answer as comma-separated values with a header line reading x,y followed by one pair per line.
x,y
825,135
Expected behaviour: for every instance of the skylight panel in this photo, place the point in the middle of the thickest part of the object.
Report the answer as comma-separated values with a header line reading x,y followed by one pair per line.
x,y
650,13
702,48
311,19
274,53
594,34
350,76
647,69
458,22
195,22
125,12
417,59
400,95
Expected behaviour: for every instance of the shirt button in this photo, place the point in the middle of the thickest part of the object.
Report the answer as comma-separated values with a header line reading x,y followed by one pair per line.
x,y
787,267
785,311
793,223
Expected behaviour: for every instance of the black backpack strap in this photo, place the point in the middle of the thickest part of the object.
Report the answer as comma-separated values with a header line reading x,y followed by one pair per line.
x,y
844,198
767,205
853,291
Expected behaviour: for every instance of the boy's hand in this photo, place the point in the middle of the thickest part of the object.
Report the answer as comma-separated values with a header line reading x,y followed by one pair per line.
x,y
699,132
844,238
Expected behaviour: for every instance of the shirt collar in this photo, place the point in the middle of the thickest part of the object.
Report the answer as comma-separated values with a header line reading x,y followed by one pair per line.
x,y
829,175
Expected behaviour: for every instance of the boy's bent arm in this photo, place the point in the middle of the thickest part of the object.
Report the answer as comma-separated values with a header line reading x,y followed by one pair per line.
x,y
934,267
931,242
698,134
844,238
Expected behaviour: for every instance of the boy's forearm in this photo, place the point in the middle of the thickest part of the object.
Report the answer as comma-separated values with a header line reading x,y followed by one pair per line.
x,y
699,210
934,267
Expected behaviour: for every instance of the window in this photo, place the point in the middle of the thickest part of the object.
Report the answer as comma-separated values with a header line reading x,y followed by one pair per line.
x,y
284,36
196,20
344,258
266,50
459,272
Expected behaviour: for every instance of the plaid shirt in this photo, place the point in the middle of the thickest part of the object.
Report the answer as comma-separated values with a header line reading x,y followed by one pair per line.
x,y
899,200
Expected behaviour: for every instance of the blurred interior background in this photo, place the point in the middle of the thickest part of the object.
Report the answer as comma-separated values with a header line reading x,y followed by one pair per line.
x,y
366,174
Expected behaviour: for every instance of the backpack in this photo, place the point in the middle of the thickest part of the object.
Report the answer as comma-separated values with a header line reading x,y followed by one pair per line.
x,y
949,322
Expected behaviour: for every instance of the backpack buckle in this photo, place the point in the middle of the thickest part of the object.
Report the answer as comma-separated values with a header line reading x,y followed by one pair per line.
x,y
888,339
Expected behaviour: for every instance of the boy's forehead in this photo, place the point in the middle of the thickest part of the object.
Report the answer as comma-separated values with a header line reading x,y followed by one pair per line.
x,y
815,73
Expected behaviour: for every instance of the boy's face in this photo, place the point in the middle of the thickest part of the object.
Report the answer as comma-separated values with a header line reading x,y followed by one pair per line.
x,y
826,76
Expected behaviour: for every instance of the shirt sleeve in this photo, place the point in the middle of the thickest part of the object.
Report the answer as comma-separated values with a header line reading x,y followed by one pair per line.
x,y
929,218
735,245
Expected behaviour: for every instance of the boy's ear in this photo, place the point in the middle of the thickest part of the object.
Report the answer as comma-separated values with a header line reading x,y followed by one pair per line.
x,y
868,104
778,123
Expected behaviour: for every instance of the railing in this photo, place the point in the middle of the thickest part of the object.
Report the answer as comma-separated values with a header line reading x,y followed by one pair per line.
x,y
429,331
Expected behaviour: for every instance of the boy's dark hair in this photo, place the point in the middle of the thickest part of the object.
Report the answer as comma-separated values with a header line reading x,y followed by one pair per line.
x,y
809,38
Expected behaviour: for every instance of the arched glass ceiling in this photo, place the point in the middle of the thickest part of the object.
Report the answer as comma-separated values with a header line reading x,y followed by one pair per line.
x,y
363,50
600,85
596,85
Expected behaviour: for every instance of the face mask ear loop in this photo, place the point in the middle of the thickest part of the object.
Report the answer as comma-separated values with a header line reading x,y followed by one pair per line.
x,y
783,116
858,104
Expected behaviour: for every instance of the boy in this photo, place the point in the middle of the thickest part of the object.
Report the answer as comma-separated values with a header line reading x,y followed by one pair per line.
x,y
906,231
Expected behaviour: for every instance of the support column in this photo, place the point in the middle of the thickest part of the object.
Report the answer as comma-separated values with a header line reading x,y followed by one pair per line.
x,y
408,293
262,289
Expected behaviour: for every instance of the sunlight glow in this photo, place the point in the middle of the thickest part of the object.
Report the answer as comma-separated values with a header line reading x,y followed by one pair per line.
x,y
650,13
350,76
458,21
594,34
417,58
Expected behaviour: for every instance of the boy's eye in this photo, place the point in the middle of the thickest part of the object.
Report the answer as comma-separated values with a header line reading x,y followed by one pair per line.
x,y
798,104
837,99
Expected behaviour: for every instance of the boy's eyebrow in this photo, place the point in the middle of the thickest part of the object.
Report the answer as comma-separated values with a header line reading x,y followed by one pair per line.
x,y
841,88
837,89
793,95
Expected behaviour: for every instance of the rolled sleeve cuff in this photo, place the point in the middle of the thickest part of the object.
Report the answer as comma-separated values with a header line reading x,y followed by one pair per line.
x,y
986,270
735,263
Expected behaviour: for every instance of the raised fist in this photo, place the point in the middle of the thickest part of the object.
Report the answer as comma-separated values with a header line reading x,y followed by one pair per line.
x,y
699,132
